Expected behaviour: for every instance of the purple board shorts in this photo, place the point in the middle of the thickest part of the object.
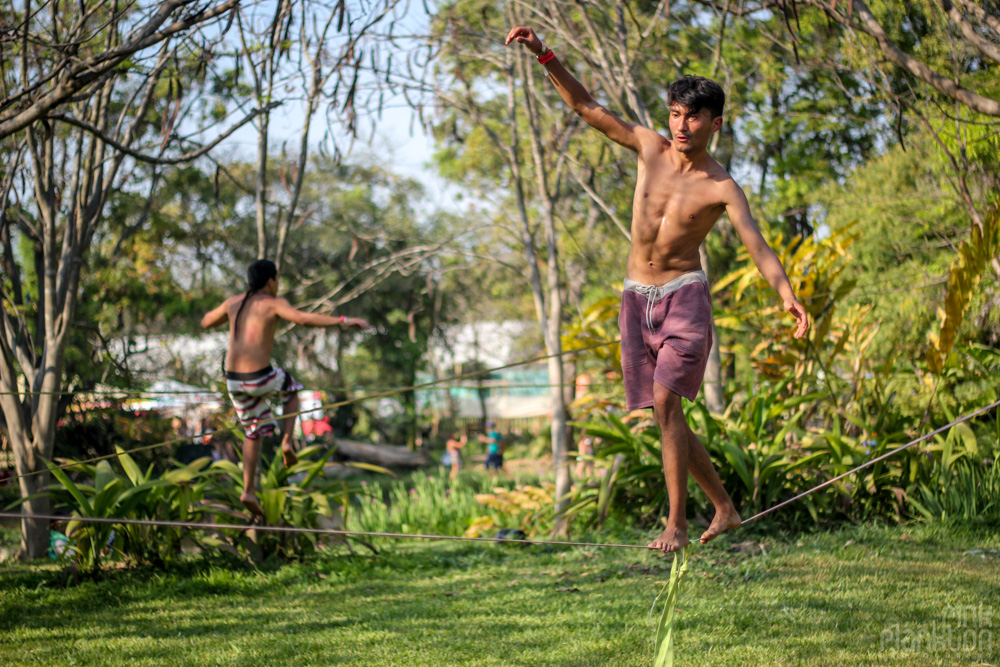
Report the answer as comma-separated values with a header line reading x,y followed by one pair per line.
x,y
666,337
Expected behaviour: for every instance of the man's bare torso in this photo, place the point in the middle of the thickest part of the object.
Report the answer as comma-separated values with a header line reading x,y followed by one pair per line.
x,y
250,346
675,205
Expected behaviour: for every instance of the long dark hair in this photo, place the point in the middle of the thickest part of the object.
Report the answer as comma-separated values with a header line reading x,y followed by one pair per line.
x,y
258,275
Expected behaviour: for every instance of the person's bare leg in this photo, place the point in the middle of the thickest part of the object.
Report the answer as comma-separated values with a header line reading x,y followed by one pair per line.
x,y
700,464
288,431
674,447
251,454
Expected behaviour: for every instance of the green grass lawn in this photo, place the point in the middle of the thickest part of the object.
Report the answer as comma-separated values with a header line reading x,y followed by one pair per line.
x,y
858,596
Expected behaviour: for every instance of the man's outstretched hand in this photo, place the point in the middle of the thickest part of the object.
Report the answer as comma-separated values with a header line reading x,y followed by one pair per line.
x,y
525,35
800,315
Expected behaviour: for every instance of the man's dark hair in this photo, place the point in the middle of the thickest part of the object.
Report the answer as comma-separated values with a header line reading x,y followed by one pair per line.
x,y
697,93
258,274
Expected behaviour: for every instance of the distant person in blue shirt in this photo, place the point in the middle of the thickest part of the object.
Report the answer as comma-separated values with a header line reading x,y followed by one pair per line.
x,y
494,447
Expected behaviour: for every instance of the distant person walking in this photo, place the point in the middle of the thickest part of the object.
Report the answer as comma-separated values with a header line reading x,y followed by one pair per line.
x,y
251,379
454,448
494,447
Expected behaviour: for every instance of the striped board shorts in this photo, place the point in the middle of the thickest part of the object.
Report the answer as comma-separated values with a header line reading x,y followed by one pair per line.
x,y
251,394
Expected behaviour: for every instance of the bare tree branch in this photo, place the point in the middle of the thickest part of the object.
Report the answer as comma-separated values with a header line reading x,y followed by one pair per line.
x,y
150,159
74,78
986,47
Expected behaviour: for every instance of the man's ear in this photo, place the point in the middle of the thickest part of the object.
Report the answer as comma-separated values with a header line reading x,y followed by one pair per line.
x,y
717,124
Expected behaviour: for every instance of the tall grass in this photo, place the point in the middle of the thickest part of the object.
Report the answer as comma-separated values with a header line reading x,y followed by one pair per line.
x,y
423,503
969,492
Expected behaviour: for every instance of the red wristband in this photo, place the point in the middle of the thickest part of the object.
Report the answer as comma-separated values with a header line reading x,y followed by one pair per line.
x,y
546,57
343,320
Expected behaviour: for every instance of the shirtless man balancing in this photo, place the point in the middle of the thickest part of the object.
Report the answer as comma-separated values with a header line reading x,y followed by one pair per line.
x,y
249,375
666,313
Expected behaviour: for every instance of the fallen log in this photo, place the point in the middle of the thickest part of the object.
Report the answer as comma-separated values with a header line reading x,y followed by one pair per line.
x,y
389,456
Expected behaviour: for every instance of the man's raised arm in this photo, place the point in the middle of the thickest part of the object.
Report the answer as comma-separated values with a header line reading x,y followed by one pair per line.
x,y
285,311
576,96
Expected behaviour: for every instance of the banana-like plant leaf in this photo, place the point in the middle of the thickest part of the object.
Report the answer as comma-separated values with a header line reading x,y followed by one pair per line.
x,y
72,488
130,467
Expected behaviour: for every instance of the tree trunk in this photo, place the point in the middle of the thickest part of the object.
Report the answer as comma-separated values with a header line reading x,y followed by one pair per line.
x,y
27,458
34,532
560,436
552,324
260,195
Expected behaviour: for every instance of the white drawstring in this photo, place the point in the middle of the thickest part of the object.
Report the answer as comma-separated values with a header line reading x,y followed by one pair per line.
x,y
654,293
647,291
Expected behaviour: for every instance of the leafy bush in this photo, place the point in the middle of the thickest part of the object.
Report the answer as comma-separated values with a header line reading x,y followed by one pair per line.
x,y
525,506
748,445
108,496
633,472
178,495
297,497
755,447
764,455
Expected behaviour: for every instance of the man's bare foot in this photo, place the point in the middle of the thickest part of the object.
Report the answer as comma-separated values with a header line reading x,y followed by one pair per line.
x,y
288,456
727,519
249,501
670,540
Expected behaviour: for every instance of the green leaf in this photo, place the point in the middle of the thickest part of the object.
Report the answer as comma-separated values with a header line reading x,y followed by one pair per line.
x,y
314,468
188,472
107,497
963,432
105,476
370,466
84,505
670,594
129,465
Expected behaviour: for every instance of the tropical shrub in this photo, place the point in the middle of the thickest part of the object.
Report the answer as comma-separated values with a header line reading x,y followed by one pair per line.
x,y
108,496
298,497
751,445
179,495
632,477
526,506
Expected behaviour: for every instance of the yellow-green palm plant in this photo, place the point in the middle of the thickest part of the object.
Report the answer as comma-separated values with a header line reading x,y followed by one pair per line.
x,y
818,272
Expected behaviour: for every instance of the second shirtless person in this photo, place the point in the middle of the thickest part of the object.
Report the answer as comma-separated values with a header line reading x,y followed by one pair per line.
x,y
666,313
250,377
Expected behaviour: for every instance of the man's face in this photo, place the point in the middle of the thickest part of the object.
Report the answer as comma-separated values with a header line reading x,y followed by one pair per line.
x,y
691,131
